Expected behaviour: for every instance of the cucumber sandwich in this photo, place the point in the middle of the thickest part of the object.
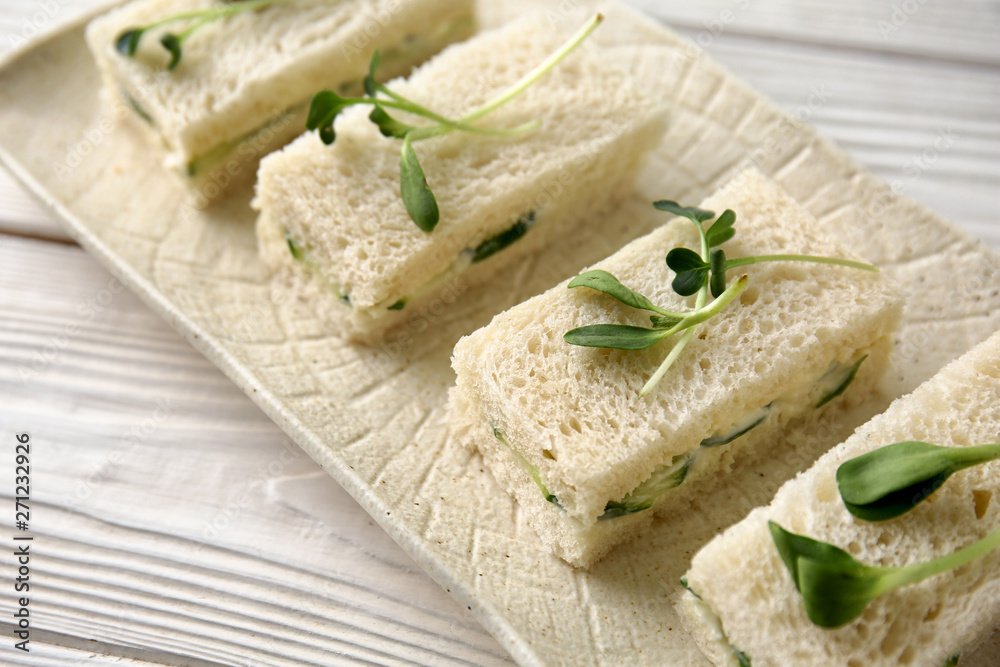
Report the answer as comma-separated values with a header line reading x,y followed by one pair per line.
x,y
219,84
914,582
335,227
563,428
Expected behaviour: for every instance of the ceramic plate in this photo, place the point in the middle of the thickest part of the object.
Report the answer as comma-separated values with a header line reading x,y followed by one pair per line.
x,y
373,416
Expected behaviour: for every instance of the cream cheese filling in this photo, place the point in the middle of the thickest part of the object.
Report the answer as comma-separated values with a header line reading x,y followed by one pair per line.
x,y
716,634
466,258
801,397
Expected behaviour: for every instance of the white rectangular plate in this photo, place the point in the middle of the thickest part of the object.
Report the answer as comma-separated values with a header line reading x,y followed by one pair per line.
x,y
373,417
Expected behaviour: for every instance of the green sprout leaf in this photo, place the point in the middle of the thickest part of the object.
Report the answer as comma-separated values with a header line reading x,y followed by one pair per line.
x,y
387,125
836,589
837,594
697,274
722,229
665,321
602,281
614,336
691,269
792,548
323,111
417,196
717,258
418,199
892,480
172,43
128,41
693,213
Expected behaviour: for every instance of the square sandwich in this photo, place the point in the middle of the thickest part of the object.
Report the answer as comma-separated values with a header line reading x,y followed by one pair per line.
x,y
563,428
243,84
334,229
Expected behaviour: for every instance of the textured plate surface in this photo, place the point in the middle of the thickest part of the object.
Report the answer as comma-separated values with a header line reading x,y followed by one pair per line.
x,y
372,417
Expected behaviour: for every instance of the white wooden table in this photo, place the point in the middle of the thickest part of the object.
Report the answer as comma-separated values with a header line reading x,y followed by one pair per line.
x,y
176,525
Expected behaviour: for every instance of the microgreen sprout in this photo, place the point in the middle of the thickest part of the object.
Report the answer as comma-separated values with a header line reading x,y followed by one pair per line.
x,y
836,588
127,42
892,480
418,198
697,274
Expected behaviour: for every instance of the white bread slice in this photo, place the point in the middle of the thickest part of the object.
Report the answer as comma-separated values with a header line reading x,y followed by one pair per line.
x,y
575,414
743,582
342,202
244,82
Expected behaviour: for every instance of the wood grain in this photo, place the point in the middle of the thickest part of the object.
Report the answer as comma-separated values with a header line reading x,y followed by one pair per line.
x,y
293,536
162,494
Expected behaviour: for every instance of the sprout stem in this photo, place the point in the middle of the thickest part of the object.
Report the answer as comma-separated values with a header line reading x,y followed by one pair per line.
x,y
697,317
759,259
537,73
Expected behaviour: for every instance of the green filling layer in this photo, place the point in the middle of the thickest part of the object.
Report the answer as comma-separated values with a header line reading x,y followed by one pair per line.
x,y
738,430
136,107
214,156
301,255
684,583
492,246
711,619
849,376
952,661
646,494
673,474
296,251
532,470
486,249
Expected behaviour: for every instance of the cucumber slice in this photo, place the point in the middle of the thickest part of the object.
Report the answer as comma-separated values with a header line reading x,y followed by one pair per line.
x,y
754,420
646,494
532,470
842,386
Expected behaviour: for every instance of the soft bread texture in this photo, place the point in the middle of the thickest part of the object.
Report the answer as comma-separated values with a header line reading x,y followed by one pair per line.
x,y
742,579
253,69
583,545
342,202
574,413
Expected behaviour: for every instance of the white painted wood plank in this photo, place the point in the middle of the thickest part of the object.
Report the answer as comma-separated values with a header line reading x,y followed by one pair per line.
x,y
930,128
24,20
961,31
21,212
177,520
